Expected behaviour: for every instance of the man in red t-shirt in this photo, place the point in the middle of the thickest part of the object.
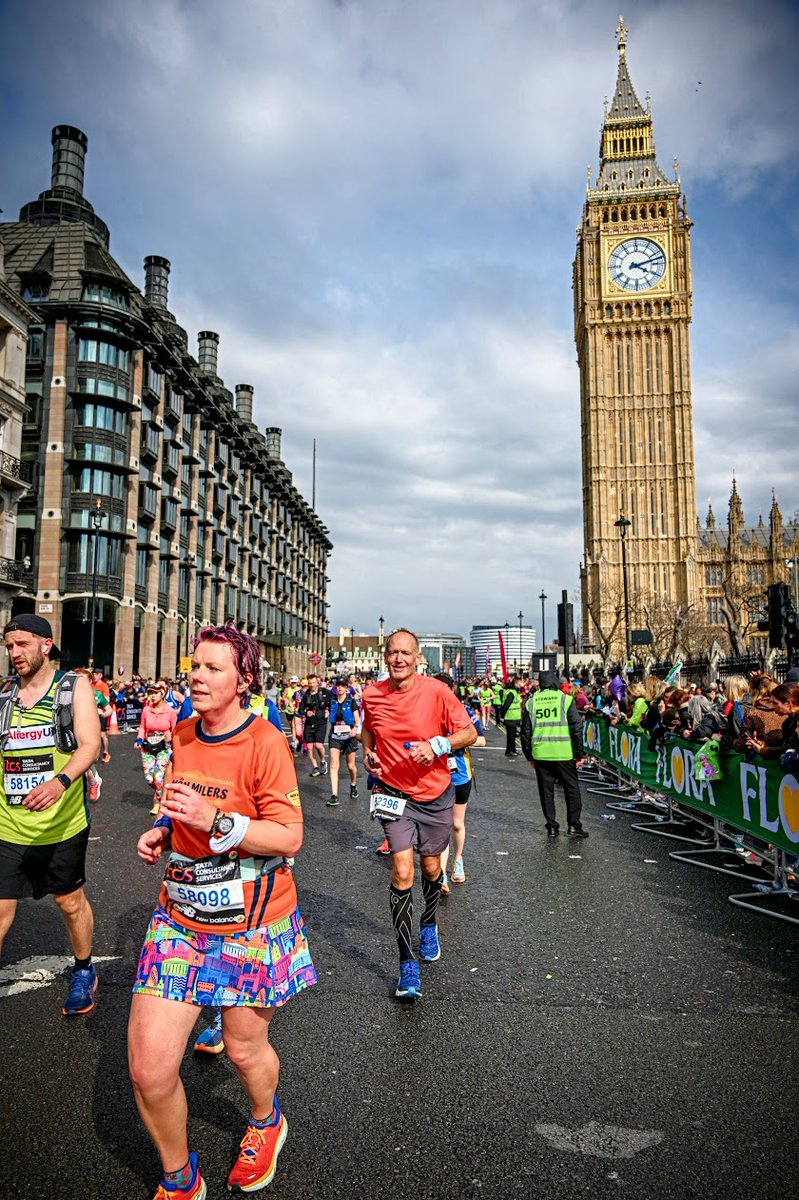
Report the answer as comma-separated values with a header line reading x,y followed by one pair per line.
x,y
411,724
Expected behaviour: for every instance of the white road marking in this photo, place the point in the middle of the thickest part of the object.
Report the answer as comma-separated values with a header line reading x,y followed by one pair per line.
x,y
37,972
600,1141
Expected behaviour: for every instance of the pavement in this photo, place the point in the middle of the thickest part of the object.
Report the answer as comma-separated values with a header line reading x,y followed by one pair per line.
x,y
602,1022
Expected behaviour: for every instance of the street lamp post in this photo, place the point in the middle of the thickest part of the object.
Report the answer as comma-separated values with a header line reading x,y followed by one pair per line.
x,y
542,598
507,645
623,524
189,563
96,517
521,618
352,646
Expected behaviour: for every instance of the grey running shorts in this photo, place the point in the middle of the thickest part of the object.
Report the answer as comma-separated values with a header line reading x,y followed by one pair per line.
x,y
425,825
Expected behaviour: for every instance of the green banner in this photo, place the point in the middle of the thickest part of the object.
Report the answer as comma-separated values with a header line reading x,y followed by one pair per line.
x,y
757,796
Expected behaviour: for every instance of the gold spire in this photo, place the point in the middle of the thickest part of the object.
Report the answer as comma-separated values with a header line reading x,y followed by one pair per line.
x,y
621,37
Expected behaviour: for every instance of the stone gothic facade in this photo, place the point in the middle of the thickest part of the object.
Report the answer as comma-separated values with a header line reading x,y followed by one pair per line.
x,y
632,311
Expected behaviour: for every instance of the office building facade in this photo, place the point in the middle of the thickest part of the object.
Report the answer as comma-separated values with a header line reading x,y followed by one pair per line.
x,y
156,505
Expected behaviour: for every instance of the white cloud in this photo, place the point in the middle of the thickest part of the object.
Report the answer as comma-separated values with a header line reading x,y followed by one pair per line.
x,y
374,203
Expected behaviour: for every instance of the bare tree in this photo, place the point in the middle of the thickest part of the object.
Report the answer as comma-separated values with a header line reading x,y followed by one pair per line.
x,y
606,626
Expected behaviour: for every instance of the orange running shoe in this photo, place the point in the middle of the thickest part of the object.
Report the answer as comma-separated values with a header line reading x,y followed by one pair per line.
x,y
196,1190
257,1161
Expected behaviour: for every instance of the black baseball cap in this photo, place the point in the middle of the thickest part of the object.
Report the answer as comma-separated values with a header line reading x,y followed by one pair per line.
x,y
30,623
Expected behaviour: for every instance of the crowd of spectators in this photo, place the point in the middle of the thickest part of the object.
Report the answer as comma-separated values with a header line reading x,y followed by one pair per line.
x,y
752,715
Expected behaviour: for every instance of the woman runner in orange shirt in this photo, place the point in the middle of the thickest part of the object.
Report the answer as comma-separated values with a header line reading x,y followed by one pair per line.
x,y
230,817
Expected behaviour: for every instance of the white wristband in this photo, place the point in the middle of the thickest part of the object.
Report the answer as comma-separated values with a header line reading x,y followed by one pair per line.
x,y
220,845
440,745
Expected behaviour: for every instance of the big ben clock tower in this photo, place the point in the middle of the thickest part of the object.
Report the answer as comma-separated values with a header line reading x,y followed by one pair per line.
x,y
632,309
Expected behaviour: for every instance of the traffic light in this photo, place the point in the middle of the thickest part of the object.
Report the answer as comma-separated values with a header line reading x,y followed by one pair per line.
x,y
566,624
780,616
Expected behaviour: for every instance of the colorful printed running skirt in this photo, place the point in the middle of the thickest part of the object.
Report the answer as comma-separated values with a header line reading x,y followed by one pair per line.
x,y
263,967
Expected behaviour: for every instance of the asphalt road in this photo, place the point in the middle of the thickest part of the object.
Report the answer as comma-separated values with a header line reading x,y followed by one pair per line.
x,y
602,1022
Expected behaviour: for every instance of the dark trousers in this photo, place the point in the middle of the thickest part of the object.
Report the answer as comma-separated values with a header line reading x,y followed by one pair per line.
x,y
547,774
511,733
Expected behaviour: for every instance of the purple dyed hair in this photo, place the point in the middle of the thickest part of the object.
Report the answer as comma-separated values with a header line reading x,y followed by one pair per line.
x,y
244,649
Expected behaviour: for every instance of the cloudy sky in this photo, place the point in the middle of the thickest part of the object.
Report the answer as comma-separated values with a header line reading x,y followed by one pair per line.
x,y
374,203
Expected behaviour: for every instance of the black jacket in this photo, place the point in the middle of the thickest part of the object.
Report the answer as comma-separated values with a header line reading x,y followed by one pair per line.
x,y
574,718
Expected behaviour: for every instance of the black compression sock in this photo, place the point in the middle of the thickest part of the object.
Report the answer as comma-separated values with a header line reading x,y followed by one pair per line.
x,y
401,900
431,890
83,964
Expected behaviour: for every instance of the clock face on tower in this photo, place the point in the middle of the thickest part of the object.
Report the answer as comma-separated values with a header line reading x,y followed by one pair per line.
x,y
637,264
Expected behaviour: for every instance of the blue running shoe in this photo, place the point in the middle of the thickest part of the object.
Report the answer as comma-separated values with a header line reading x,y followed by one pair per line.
x,y
429,947
80,997
410,982
209,1040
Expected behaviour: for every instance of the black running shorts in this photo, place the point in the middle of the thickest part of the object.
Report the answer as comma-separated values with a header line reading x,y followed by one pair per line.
x,y
315,730
347,745
43,870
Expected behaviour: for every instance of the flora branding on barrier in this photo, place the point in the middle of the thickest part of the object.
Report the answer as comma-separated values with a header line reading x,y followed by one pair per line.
x,y
752,796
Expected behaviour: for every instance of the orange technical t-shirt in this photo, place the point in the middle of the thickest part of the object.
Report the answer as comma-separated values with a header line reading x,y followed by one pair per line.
x,y
427,709
251,771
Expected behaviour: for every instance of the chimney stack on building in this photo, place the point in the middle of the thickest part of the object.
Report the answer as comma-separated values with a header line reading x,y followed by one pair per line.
x,y
156,280
273,441
244,392
208,356
69,158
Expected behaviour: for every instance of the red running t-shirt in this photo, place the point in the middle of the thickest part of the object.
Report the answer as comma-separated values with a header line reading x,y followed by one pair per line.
x,y
249,771
427,709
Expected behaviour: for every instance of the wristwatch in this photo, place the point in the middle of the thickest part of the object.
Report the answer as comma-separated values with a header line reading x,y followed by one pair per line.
x,y
64,779
223,824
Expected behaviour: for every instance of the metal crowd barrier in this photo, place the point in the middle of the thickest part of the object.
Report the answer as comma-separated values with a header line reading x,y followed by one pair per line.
x,y
720,847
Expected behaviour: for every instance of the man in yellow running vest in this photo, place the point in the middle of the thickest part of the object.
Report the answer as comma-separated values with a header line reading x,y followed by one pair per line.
x,y
552,742
44,815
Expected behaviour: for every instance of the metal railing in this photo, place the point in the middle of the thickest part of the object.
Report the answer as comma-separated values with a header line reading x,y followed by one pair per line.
x,y
14,468
14,571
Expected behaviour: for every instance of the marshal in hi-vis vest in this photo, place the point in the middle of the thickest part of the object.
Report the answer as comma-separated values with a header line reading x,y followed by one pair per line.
x,y
551,740
514,709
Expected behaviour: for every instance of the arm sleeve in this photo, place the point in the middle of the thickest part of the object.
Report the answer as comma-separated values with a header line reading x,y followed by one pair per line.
x,y
526,733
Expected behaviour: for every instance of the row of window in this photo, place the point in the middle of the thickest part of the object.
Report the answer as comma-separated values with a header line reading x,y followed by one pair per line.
x,y
647,309
648,352
103,294
97,452
104,387
106,353
80,555
755,575
96,481
100,416
627,442
650,517
643,211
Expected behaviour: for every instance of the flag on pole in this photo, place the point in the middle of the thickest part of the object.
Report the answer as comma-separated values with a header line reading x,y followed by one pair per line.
x,y
502,657
674,673
457,665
